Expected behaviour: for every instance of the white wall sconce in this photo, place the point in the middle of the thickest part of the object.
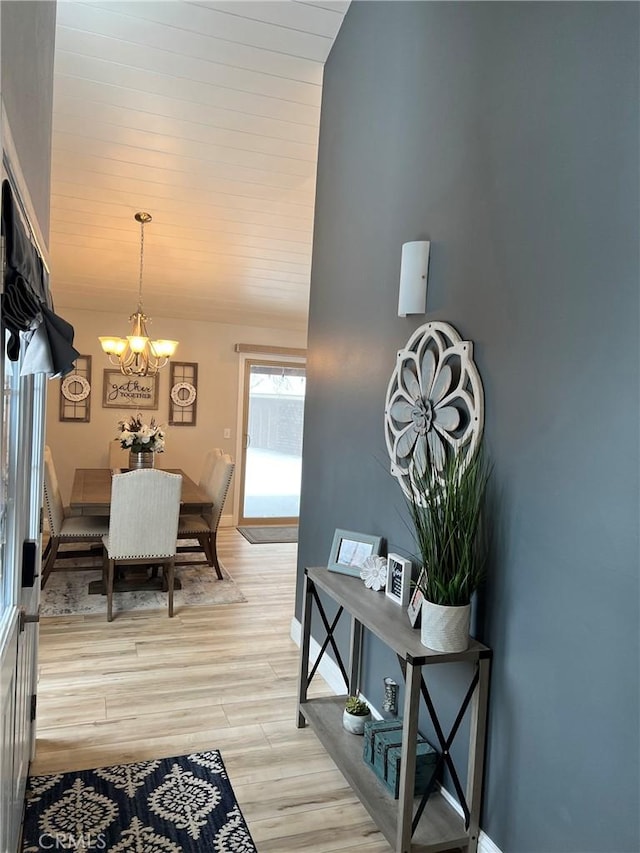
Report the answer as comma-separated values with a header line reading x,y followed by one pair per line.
x,y
412,298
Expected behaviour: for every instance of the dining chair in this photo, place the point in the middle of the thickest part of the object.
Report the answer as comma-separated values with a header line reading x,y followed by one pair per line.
x,y
64,527
204,527
209,461
118,456
143,526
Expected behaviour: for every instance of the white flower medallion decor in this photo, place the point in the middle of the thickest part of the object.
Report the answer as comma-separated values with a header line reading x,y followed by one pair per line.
x,y
434,403
374,573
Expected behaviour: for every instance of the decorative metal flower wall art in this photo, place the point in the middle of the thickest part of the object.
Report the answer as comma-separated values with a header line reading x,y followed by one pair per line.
x,y
434,403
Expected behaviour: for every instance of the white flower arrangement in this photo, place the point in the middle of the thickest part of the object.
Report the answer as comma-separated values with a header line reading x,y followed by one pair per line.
x,y
138,437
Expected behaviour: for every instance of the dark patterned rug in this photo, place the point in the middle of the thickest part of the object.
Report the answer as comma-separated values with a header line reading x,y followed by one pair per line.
x,y
170,805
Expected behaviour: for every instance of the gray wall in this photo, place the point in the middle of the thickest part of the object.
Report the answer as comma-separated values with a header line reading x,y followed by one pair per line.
x,y
507,133
26,81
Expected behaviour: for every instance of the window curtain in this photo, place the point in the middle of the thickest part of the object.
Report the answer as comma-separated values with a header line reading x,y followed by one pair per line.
x,y
26,307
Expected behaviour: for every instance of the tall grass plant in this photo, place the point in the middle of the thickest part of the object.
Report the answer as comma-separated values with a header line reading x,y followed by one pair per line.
x,y
447,510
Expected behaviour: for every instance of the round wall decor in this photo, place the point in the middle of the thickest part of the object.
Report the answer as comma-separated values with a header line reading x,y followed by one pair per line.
x,y
75,388
183,393
434,403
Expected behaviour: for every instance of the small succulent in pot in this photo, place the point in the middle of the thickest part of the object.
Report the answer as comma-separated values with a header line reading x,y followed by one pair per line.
x,y
356,713
355,705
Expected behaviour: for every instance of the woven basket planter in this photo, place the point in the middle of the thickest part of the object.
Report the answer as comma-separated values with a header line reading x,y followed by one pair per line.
x,y
445,629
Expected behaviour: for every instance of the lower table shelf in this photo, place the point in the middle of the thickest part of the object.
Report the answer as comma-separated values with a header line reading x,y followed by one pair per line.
x,y
440,827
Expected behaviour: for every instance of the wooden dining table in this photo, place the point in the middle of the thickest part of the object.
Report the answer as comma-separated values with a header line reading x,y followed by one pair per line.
x,y
91,492
91,495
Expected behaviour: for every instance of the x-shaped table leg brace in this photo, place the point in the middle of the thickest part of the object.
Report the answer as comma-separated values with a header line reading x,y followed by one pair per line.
x,y
445,746
328,639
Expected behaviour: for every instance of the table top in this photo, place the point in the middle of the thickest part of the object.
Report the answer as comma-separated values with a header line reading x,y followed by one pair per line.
x,y
91,492
386,619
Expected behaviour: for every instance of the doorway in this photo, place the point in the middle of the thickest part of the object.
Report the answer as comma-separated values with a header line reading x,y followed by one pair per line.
x,y
271,460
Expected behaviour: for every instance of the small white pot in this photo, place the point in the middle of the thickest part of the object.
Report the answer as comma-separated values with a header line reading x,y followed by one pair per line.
x,y
445,629
354,723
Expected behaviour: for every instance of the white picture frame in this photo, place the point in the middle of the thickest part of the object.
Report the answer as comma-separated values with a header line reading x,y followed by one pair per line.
x,y
398,587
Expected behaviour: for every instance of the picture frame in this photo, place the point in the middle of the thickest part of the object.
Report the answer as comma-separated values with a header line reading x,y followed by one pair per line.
x,y
350,549
183,393
129,392
414,608
398,579
75,392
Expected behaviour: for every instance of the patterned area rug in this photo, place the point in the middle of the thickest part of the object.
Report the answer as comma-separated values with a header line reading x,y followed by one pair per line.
x,y
66,593
260,535
171,805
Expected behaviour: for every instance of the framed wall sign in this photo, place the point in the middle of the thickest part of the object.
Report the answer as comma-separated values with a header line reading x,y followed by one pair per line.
x,y
75,392
129,392
183,393
349,550
398,579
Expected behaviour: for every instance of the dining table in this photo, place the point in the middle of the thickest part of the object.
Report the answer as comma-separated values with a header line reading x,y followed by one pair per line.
x,y
91,495
91,492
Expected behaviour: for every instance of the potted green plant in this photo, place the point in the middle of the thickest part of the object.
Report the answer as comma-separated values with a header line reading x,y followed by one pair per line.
x,y
446,505
355,715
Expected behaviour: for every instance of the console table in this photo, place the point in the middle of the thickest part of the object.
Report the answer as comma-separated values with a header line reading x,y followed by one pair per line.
x,y
410,824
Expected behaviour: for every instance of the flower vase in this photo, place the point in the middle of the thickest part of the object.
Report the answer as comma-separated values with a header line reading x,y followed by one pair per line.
x,y
141,460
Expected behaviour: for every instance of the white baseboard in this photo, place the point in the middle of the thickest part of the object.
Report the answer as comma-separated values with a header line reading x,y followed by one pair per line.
x,y
485,844
226,521
330,671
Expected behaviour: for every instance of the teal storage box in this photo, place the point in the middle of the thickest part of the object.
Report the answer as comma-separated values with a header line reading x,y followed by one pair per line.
x,y
382,750
426,758
371,728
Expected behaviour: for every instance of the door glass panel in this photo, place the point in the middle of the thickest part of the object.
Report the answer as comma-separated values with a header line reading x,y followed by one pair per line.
x,y
273,442
5,577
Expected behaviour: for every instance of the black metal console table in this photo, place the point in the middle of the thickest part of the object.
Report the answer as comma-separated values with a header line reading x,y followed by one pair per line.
x,y
410,824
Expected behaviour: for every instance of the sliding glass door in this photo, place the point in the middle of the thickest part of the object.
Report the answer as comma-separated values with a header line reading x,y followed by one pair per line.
x,y
272,448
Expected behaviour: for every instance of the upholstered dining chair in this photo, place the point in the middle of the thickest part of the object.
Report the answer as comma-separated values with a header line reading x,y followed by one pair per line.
x,y
209,461
64,527
204,528
118,456
143,526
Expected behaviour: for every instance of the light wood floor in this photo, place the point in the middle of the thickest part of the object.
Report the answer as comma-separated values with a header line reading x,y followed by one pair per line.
x,y
146,686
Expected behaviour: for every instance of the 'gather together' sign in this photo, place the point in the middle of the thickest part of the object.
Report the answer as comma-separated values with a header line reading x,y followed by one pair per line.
x,y
129,392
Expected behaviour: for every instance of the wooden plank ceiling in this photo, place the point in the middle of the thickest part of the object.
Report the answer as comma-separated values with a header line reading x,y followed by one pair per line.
x,y
206,116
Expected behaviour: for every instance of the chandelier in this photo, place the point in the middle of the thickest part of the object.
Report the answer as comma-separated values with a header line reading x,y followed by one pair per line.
x,y
137,355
